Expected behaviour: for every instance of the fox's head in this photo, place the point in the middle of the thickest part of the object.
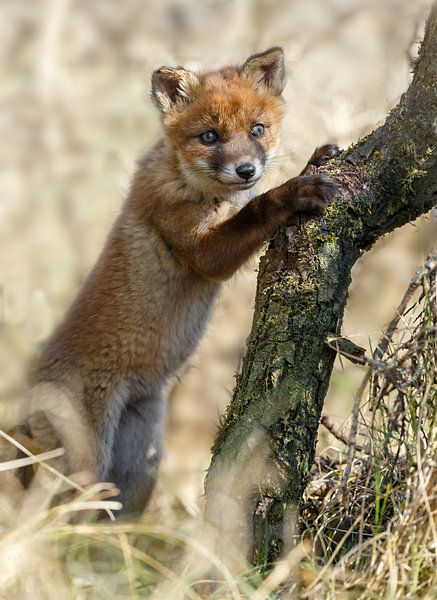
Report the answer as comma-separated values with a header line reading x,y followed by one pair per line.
x,y
223,125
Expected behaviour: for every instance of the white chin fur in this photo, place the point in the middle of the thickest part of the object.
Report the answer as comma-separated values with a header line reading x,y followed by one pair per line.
x,y
224,184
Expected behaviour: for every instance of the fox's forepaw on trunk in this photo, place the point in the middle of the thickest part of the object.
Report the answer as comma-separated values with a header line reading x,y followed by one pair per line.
x,y
314,193
319,157
322,154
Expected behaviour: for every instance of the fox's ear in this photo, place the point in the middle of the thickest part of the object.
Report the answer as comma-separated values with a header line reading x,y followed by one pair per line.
x,y
171,86
266,71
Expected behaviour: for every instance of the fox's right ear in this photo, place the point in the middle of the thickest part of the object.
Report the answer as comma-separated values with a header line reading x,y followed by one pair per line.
x,y
266,71
172,86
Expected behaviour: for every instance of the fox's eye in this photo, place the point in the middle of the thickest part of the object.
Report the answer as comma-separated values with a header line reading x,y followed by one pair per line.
x,y
208,137
257,130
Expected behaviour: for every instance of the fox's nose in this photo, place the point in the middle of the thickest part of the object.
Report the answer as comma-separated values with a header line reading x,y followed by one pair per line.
x,y
245,170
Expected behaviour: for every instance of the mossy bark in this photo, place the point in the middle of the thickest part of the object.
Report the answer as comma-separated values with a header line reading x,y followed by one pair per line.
x,y
264,450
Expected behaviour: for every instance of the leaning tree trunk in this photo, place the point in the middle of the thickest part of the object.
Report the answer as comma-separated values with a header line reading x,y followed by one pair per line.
x,y
265,448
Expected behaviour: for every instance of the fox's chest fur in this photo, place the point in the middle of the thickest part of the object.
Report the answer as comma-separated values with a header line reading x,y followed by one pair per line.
x,y
170,315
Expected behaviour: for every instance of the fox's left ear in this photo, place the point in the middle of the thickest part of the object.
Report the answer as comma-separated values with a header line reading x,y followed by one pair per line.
x,y
172,86
266,71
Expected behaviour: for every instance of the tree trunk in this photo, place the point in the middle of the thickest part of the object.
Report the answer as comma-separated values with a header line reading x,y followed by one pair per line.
x,y
264,450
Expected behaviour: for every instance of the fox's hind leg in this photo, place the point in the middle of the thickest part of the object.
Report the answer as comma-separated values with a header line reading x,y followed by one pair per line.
x,y
137,451
50,416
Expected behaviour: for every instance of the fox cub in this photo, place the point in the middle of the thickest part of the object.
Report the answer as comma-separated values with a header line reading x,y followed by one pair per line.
x,y
191,219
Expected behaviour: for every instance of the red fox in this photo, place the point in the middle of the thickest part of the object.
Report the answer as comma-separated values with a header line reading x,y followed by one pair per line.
x,y
191,219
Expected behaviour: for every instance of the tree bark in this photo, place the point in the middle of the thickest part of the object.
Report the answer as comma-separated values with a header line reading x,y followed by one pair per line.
x,y
265,448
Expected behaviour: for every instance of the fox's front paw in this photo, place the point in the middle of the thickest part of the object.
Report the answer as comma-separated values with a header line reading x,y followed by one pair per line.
x,y
313,194
322,154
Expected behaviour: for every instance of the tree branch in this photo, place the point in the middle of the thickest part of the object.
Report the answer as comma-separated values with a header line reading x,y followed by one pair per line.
x,y
265,449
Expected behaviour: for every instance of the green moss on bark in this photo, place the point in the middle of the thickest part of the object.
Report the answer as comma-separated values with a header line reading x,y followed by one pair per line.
x,y
384,181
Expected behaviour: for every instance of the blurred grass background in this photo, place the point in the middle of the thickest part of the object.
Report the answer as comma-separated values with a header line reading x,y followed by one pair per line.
x,y
75,114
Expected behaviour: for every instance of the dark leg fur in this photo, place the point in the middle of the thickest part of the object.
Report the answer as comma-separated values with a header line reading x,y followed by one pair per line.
x,y
37,434
137,452
23,435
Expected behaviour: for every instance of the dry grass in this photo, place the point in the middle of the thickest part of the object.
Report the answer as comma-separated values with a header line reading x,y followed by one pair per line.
x,y
368,520
74,117
372,515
